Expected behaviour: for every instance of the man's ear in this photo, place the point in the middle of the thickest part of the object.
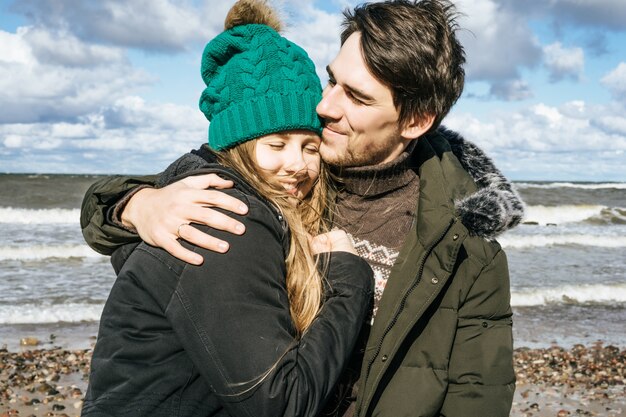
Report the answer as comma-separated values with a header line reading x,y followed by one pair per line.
x,y
416,127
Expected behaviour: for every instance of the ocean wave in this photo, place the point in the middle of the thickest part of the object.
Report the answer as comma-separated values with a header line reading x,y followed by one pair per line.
x,y
38,252
38,216
571,294
517,241
544,215
595,186
69,313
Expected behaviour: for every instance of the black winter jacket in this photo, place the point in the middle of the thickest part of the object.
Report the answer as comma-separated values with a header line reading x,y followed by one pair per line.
x,y
217,339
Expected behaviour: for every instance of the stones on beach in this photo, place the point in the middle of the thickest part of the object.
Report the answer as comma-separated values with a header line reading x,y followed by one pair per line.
x,y
550,381
581,381
597,366
44,381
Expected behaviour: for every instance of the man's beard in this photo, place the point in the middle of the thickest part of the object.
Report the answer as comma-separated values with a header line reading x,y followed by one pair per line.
x,y
373,155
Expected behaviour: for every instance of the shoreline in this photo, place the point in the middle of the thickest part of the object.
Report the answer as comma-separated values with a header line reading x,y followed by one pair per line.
x,y
580,381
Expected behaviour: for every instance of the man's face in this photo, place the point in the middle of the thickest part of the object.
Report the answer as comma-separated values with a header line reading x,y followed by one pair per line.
x,y
361,121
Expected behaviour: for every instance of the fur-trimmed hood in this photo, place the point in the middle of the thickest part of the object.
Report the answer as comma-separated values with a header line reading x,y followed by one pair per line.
x,y
496,206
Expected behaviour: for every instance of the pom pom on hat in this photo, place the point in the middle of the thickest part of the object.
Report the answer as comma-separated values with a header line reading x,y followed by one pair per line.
x,y
248,12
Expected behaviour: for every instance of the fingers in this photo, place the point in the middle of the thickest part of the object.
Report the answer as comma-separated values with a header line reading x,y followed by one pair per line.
x,y
200,187
320,244
214,198
333,241
205,181
177,250
216,220
198,238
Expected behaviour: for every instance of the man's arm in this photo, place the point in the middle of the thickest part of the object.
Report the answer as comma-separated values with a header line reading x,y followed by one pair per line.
x,y
482,378
99,231
114,212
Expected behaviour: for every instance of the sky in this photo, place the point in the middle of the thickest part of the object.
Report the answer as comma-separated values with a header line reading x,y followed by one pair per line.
x,y
112,86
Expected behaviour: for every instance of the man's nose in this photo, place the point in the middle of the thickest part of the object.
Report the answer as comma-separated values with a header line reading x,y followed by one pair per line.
x,y
327,108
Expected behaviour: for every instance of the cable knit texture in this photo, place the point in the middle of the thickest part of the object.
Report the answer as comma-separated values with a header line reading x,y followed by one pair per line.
x,y
257,83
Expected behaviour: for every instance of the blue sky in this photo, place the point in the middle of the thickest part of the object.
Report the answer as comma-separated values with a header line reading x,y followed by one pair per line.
x,y
111,86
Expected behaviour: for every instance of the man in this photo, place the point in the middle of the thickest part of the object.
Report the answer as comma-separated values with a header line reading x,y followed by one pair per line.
x,y
421,205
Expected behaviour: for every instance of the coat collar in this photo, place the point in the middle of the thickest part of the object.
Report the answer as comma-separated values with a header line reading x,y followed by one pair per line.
x,y
457,178
442,181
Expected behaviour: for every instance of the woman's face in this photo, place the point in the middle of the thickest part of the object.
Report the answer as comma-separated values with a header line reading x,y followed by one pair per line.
x,y
290,159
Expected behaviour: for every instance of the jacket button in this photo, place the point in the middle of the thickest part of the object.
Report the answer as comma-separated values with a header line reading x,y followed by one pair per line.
x,y
434,280
384,358
485,324
455,237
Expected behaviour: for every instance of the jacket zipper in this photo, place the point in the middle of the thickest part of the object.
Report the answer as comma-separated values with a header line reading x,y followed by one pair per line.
x,y
418,278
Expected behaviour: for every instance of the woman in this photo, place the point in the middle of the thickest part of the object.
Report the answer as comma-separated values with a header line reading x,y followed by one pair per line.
x,y
265,329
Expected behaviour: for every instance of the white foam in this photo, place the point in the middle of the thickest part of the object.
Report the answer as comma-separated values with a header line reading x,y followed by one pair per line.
x,y
562,214
597,186
30,313
570,294
38,252
517,241
39,216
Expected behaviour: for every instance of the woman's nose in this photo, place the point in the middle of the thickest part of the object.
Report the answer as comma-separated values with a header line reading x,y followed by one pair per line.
x,y
296,161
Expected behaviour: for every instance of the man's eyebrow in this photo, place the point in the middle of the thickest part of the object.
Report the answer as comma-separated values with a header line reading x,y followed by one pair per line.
x,y
353,90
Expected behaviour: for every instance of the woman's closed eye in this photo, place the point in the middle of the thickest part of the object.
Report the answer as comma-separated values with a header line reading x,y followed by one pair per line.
x,y
276,146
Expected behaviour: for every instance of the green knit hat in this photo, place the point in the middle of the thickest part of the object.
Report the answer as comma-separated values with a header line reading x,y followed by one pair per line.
x,y
257,83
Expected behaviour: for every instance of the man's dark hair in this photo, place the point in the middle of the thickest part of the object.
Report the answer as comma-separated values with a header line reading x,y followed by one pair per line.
x,y
411,47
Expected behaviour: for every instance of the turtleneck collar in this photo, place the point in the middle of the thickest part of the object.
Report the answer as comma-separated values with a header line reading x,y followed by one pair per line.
x,y
372,180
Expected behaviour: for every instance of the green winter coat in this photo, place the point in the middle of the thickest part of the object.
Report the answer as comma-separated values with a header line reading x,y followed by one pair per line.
x,y
441,344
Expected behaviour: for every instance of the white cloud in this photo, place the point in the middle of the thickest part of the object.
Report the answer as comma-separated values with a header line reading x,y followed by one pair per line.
x,y
612,124
63,48
498,42
156,25
563,62
151,136
552,142
35,87
616,81
513,90
14,49
13,141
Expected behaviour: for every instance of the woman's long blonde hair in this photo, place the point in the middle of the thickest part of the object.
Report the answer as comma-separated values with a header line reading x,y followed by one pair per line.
x,y
304,281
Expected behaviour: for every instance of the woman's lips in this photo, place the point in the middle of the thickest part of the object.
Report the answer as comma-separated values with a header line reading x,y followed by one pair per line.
x,y
292,187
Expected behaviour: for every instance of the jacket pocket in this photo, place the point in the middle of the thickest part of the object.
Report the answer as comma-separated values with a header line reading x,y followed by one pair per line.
x,y
483,351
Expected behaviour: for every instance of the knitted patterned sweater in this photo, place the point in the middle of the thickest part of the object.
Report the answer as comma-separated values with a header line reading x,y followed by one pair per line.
x,y
376,206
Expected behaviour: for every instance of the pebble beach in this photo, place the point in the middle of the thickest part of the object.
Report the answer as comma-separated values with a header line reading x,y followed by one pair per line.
x,y
557,382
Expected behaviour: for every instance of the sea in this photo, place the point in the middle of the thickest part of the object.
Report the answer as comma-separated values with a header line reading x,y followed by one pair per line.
x,y
567,264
